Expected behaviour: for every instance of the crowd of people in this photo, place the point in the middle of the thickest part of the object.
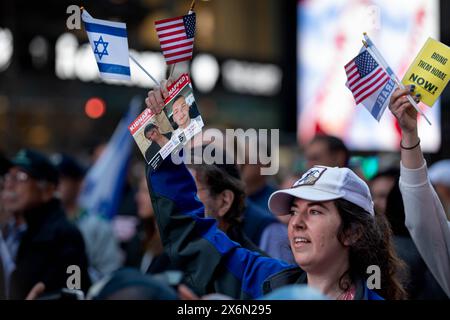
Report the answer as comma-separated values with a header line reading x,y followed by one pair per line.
x,y
223,231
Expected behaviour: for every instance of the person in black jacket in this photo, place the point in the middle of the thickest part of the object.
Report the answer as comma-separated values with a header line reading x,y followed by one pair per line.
x,y
50,244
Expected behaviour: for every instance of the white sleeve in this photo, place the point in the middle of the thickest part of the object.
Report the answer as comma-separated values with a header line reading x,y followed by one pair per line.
x,y
427,222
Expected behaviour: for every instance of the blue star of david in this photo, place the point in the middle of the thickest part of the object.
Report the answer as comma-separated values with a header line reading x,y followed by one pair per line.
x,y
105,45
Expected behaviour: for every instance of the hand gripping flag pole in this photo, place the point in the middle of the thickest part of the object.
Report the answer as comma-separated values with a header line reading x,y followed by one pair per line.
x,y
191,10
370,46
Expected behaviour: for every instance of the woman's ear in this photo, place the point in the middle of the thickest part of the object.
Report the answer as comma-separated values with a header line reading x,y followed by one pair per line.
x,y
352,235
225,198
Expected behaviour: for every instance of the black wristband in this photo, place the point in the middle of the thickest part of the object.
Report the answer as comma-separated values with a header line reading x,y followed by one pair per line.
x,y
409,148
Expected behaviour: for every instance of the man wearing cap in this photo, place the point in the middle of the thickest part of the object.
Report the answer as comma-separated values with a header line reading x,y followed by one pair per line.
x,y
50,243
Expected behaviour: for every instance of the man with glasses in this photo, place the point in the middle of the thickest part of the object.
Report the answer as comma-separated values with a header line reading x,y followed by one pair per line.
x,y
50,244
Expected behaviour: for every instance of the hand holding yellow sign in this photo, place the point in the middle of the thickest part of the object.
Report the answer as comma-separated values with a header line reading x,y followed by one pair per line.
x,y
430,71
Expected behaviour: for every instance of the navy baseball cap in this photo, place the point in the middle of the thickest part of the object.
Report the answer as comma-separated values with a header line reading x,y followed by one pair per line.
x,y
36,164
68,166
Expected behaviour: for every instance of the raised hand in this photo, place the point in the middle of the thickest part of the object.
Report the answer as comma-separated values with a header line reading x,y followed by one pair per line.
x,y
155,98
403,110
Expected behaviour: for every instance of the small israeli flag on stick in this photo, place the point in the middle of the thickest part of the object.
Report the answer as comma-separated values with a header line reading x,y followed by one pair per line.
x,y
109,42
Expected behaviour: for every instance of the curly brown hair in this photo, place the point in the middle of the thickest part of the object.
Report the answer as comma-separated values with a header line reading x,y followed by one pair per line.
x,y
373,245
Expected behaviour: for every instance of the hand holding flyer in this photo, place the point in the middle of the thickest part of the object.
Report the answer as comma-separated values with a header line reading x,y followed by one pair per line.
x,y
158,135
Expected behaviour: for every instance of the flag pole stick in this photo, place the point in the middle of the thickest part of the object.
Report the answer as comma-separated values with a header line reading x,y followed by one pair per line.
x,y
374,51
172,69
191,10
145,71
192,6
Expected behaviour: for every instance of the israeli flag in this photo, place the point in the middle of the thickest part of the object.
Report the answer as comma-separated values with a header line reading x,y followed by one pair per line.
x,y
103,185
110,45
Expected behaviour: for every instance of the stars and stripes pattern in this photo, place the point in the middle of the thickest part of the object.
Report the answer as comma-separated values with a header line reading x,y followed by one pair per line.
x,y
364,76
176,36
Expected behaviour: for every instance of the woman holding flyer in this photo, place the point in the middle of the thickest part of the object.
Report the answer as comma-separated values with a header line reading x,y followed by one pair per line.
x,y
336,239
425,216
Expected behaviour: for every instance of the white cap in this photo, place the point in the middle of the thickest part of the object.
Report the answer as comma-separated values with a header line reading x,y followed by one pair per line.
x,y
322,184
440,172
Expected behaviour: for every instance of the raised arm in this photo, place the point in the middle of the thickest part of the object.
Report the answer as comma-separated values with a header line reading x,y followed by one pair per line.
x,y
425,216
210,260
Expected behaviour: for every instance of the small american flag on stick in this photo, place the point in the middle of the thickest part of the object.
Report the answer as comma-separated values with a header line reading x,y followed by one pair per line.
x,y
365,76
176,36
369,83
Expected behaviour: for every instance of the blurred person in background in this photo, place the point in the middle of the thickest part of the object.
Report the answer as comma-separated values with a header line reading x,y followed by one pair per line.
x,y
259,223
127,205
145,251
380,186
255,220
50,243
12,224
425,215
440,178
220,189
326,150
6,262
5,164
125,220
331,151
257,187
101,245
276,241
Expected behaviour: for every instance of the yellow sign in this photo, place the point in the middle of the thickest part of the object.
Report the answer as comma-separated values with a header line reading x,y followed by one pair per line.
x,y
430,71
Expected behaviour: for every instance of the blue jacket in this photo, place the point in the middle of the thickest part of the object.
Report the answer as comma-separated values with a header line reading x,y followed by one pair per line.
x,y
211,261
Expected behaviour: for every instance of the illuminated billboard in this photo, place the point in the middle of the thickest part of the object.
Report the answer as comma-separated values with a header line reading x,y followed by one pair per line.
x,y
329,35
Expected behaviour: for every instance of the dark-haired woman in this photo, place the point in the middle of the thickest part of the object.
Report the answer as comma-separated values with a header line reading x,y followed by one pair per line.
x,y
336,239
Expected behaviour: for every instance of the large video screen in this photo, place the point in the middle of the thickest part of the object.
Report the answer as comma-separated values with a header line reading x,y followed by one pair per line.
x,y
329,35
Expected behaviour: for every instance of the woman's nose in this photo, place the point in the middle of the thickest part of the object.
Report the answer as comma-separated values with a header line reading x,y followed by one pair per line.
x,y
298,221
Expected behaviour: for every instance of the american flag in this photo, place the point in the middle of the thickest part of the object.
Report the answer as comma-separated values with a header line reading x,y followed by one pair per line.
x,y
364,76
176,36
